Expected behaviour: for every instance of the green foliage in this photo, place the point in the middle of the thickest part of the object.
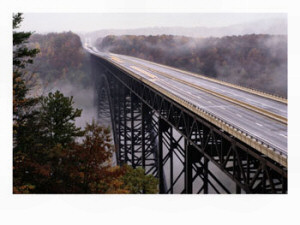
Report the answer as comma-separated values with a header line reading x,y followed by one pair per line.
x,y
17,19
57,120
41,156
22,104
22,55
137,182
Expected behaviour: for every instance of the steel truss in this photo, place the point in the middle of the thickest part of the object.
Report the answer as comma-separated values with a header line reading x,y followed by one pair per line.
x,y
187,153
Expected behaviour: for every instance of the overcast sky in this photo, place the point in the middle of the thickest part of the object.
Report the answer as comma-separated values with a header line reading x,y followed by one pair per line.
x,y
82,22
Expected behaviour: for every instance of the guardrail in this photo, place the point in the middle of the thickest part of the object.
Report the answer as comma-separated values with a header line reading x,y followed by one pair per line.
x,y
232,100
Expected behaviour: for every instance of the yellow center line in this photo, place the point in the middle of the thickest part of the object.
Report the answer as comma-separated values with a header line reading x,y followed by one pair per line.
x,y
144,72
116,59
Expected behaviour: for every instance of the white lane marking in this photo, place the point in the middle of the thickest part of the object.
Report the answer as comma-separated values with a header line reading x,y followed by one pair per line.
x,y
238,115
258,124
209,101
283,135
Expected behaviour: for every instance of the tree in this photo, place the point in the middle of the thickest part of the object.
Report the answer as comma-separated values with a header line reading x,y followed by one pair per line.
x,y
90,160
21,54
136,182
23,105
57,120
88,167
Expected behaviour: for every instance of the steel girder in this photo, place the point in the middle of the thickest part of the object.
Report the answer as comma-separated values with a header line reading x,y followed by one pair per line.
x,y
187,153
134,123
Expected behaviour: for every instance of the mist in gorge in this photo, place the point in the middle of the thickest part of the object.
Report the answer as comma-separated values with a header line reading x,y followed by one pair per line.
x,y
63,65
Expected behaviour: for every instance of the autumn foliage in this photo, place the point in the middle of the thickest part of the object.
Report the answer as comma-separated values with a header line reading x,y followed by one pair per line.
x,y
61,59
80,167
51,154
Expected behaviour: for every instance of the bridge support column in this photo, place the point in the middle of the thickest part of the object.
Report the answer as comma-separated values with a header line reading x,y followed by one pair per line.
x,y
205,176
161,128
143,136
132,121
188,168
171,152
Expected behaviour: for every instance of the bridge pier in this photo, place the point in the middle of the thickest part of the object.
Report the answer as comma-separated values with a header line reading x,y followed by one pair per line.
x,y
188,168
160,157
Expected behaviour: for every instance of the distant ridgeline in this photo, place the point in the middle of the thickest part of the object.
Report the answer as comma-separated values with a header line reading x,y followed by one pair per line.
x,y
255,61
61,59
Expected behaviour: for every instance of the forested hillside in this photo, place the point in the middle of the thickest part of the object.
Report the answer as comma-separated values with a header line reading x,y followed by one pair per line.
x,y
61,58
63,65
255,61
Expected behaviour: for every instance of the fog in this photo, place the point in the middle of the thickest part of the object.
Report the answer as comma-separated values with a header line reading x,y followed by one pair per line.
x,y
87,22
254,61
83,98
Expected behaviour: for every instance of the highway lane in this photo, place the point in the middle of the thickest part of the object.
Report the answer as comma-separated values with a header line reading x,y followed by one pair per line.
x,y
267,130
255,100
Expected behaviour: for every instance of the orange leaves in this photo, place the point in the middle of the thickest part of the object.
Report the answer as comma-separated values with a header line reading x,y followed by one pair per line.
x,y
81,175
18,79
83,167
23,189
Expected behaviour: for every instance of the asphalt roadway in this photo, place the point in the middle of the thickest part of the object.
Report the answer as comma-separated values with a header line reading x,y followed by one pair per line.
x,y
267,130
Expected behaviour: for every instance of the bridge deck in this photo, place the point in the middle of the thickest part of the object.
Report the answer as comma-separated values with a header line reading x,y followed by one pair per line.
x,y
262,117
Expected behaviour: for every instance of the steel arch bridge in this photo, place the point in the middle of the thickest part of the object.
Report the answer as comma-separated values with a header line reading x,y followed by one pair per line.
x,y
187,153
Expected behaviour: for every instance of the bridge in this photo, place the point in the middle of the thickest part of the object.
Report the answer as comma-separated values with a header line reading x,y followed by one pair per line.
x,y
194,133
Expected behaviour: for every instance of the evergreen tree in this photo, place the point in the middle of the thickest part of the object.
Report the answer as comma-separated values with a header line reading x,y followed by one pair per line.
x,y
22,55
57,120
23,107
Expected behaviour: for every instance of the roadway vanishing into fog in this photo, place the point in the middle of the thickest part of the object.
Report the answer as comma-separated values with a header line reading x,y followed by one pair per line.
x,y
259,115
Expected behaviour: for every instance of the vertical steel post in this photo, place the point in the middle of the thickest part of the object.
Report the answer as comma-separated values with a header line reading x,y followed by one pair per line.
x,y
188,168
205,175
284,185
132,129
236,170
171,160
125,128
238,188
160,156
119,93
143,134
